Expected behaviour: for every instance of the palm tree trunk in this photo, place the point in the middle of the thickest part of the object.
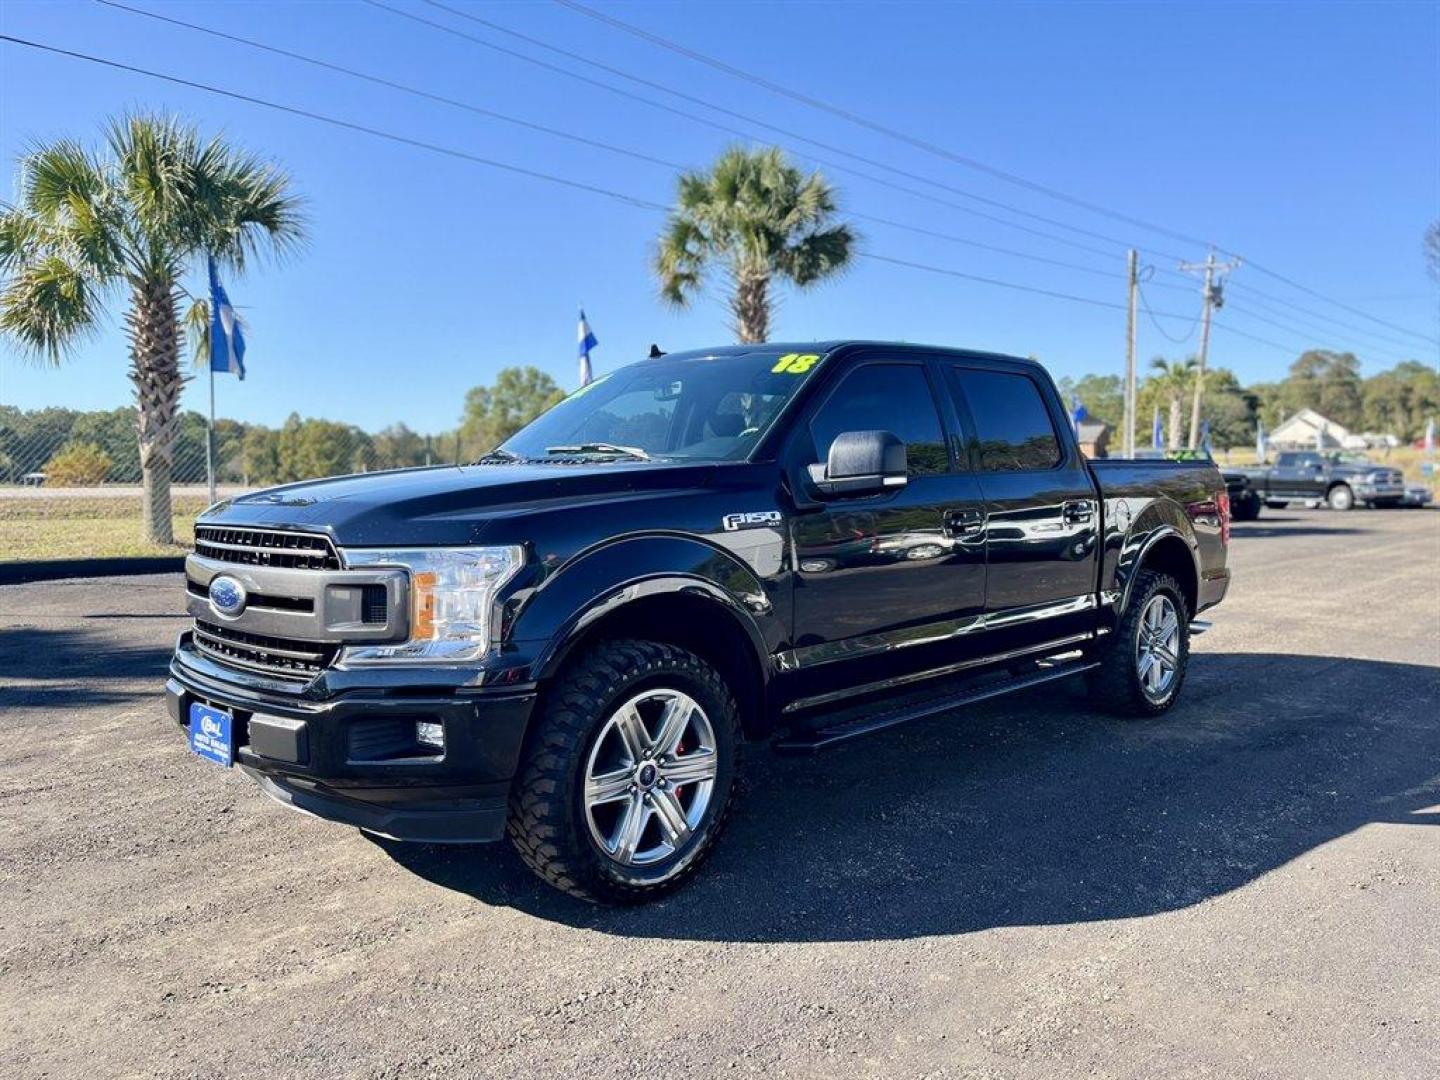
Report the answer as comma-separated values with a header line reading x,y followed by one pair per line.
x,y
1174,421
154,327
750,306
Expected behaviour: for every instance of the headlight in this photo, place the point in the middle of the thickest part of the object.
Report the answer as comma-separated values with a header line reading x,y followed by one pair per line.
x,y
452,594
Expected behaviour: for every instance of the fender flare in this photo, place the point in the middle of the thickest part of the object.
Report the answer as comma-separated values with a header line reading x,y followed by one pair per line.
x,y
604,580
1127,569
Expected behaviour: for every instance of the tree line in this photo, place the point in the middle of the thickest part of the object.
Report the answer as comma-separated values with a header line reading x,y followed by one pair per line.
x,y
93,447
1398,402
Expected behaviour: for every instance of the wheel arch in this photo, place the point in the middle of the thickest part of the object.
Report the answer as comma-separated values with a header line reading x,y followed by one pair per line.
x,y
1167,551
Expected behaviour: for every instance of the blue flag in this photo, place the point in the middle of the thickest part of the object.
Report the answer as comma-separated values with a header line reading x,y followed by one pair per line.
x,y
1205,435
588,341
1260,440
1078,413
1157,432
227,340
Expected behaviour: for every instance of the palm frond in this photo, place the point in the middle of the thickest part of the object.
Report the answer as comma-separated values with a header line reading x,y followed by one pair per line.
x,y
47,306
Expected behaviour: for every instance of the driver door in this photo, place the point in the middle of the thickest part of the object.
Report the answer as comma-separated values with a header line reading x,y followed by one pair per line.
x,y
889,582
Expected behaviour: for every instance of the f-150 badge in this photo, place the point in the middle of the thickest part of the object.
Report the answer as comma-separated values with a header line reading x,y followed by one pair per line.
x,y
754,520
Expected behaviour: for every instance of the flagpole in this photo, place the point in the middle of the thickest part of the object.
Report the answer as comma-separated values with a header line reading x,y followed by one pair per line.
x,y
210,440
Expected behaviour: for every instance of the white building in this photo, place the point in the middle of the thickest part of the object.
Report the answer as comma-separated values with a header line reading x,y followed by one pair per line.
x,y
1299,432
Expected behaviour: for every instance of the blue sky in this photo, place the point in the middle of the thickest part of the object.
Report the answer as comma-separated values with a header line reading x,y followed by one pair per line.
x,y
1306,137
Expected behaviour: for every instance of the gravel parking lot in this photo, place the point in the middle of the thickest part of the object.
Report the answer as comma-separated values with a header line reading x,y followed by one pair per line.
x,y
1247,888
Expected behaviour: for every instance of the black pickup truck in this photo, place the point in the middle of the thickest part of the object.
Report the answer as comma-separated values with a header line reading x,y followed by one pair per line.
x,y
569,640
1340,480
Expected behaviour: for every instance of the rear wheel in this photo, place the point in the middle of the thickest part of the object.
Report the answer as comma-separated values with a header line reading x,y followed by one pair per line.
x,y
629,773
1341,497
1245,508
1143,667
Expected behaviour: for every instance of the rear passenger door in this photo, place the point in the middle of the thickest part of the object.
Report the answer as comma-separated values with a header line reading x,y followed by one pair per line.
x,y
1041,513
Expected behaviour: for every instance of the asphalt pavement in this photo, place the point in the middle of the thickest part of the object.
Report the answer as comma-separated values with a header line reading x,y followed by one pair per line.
x,y
1248,887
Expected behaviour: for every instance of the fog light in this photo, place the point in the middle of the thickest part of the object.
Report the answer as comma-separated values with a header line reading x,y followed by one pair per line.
x,y
428,734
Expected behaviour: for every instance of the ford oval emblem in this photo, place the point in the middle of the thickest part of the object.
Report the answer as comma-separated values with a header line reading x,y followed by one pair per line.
x,y
227,596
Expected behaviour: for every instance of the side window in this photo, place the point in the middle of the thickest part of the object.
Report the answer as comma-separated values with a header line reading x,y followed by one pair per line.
x,y
1287,461
1012,426
886,397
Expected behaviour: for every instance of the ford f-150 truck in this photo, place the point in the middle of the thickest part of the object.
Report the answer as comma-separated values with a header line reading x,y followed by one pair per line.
x,y
570,639
1338,479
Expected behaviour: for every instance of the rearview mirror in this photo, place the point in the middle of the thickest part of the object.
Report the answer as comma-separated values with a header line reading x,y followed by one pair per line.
x,y
861,463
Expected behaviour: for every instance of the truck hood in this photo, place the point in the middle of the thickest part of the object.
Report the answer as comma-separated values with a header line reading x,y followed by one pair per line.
x,y
449,504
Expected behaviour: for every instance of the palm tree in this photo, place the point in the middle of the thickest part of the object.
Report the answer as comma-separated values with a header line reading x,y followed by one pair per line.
x,y
763,219
1173,379
133,219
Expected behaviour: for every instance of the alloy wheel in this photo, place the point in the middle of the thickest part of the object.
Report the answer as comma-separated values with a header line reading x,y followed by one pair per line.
x,y
650,777
1157,647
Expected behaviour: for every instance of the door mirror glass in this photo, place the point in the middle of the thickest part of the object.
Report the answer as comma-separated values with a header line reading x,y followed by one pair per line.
x,y
861,463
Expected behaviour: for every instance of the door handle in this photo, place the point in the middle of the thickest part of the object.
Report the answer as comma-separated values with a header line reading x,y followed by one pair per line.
x,y
967,522
1078,510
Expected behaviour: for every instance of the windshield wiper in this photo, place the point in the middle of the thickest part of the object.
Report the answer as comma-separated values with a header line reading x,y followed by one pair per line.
x,y
600,448
499,454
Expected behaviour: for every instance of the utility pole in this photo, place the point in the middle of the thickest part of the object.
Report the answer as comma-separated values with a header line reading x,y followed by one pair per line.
x,y
1212,297
1128,443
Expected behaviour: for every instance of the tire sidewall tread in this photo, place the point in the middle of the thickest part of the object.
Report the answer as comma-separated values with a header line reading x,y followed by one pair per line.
x,y
547,824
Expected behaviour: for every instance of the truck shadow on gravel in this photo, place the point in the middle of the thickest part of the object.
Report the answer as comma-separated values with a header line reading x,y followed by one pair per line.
x,y
77,667
1037,811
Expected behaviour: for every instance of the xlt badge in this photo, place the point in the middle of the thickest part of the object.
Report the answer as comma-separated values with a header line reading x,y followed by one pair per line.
x,y
753,520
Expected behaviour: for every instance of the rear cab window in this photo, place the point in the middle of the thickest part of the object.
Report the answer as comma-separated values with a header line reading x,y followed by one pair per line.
x,y
1012,430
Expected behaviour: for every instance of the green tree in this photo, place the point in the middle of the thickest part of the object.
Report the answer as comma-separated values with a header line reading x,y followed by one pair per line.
x,y
1102,395
494,413
397,447
762,219
134,218
1168,387
1328,382
78,465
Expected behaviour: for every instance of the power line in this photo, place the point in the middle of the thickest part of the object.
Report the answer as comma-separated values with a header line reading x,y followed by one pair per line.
x,y
550,178
1304,331
1145,302
873,125
1251,292
562,134
787,133
1340,304
960,159
337,122
403,88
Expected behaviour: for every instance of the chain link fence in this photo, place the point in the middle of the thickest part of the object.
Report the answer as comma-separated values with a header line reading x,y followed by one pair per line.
x,y
70,481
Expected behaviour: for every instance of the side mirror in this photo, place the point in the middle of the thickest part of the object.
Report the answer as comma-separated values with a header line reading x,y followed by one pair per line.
x,y
861,463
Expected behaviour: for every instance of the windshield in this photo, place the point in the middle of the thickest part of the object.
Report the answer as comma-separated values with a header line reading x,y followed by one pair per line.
x,y
689,409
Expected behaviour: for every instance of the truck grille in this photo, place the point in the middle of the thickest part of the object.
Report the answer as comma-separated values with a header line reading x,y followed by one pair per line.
x,y
283,657
266,547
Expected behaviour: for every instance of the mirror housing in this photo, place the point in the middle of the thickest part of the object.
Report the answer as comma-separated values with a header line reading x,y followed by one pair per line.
x,y
861,463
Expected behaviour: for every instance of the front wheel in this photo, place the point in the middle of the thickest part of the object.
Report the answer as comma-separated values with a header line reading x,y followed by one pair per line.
x,y
1245,508
1143,667
628,774
1341,497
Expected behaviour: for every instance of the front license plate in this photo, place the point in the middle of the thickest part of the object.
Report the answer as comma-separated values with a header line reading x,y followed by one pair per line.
x,y
212,734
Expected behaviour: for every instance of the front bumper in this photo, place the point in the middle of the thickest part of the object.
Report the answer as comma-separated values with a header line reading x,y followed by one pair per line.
x,y
352,758
1378,492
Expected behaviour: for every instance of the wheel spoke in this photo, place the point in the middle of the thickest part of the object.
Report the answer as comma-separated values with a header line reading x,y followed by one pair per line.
x,y
691,769
1166,656
671,816
631,729
673,723
632,825
1147,663
608,787
1157,673
1169,626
